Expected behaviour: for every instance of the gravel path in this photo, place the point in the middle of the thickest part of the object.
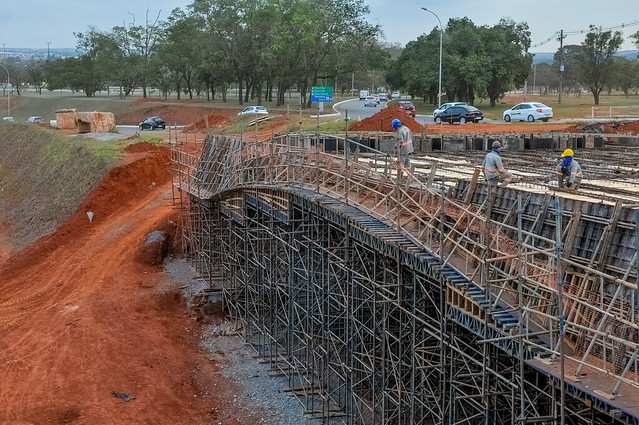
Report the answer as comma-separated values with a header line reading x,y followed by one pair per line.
x,y
259,398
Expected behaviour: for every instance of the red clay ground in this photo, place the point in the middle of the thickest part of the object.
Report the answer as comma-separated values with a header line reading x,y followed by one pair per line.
x,y
80,318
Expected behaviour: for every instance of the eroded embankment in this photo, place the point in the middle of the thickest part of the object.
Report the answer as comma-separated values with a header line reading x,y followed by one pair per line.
x,y
44,176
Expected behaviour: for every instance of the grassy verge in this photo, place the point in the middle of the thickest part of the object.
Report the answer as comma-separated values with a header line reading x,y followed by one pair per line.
x,y
45,175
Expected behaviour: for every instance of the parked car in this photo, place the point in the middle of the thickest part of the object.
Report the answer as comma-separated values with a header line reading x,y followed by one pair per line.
x,y
407,106
371,101
461,114
152,123
8,118
36,118
253,110
528,111
395,94
445,106
382,97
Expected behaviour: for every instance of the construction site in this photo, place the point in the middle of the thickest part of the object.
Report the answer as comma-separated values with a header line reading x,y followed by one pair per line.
x,y
422,297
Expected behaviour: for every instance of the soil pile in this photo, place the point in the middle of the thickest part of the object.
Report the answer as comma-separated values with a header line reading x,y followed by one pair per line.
x,y
616,127
211,121
382,120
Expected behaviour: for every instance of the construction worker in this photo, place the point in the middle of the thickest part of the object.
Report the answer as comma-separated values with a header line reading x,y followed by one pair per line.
x,y
568,170
404,143
494,169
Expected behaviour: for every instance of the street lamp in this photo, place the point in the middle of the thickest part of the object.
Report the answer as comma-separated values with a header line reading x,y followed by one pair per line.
x,y
441,37
8,93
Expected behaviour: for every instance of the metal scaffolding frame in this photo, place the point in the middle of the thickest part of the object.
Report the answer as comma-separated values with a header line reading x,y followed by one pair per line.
x,y
385,298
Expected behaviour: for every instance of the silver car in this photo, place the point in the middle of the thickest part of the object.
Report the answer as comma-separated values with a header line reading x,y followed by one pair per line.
x,y
371,101
528,111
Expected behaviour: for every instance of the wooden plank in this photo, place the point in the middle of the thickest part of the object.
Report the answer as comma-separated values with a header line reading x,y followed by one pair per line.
x,y
471,187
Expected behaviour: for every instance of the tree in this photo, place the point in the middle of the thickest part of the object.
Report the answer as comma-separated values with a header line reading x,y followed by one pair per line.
x,y
624,74
597,55
506,46
571,80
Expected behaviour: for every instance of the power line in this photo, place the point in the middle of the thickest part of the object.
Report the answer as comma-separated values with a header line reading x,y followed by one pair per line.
x,y
555,35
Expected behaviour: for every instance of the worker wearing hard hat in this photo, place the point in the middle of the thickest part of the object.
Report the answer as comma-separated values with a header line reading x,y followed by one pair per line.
x,y
494,169
568,170
404,143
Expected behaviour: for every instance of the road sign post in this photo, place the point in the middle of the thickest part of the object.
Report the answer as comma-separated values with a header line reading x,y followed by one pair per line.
x,y
321,94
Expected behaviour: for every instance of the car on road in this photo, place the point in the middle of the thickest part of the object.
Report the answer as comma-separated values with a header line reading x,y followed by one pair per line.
x,y
445,106
151,123
407,106
528,111
395,95
371,101
382,97
461,114
363,94
36,118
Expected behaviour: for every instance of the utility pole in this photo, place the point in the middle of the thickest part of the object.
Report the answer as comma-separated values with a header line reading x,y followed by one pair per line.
x,y
561,62
48,55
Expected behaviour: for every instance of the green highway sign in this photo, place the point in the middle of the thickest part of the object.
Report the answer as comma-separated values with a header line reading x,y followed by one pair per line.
x,y
321,94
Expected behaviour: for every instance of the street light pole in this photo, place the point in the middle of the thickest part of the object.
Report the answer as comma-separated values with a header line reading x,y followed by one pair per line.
x,y
441,37
8,93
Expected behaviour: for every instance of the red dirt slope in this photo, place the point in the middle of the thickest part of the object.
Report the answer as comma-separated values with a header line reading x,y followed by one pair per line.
x,y
81,319
382,120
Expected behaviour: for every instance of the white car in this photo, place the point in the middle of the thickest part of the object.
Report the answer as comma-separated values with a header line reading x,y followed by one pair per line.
x,y
371,101
37,118
528,111
8,118
253,110
445,106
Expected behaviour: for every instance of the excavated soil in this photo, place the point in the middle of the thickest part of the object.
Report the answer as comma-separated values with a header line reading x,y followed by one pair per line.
x,y
382,120
87,336
175,113
615,127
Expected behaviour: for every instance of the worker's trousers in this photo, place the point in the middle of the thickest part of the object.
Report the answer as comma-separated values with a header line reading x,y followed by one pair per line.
x,y
503,178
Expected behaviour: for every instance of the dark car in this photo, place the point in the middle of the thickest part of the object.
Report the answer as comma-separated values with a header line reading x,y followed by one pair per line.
x,y
152,123
407,107
459,113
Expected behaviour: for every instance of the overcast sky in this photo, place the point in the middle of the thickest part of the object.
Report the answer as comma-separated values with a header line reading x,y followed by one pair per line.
x,y
32,23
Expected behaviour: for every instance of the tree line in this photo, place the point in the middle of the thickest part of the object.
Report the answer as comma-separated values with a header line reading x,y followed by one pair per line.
x,y
266,48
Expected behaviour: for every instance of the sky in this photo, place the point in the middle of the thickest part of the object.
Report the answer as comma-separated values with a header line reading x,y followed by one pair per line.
x,y
33,23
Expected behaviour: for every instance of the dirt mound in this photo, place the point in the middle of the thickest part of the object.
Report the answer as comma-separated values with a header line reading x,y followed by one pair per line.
x,y
615,127
213,120
140,147
172,113
382,120
158,244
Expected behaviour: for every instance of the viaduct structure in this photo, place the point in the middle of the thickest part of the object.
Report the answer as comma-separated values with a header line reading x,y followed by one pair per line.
x,y
423,298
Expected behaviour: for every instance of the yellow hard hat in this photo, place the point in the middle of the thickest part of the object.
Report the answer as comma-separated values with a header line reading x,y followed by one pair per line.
x,y
568,152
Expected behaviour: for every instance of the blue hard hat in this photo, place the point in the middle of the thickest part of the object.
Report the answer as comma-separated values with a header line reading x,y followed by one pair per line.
x,y
396,122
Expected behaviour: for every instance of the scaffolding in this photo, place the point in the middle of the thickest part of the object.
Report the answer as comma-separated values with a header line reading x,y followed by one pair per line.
x,y
392,297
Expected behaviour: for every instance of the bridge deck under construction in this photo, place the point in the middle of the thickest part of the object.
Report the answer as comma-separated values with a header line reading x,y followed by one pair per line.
x,y
423,297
